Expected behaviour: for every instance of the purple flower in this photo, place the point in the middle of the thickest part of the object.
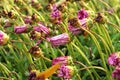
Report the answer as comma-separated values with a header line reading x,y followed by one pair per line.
x,y
63,59
20,29
77,30
59,39
42,28
114,59
116,73
111,10
3,38
82,14
27,19
66,72
55,15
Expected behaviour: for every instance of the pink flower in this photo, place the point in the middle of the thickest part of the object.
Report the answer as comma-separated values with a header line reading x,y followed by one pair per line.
x,y
55,15
59,39
42,28
77,30
114,59
3,38
63,59
66,72
82,14
116,73
27,19
20,29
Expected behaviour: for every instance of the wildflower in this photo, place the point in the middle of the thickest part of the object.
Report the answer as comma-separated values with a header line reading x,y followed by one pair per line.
x,y
74,22
64,59
116,73
51,1
114,59
36,5
111,10
8,23
27,19
82,14
35,35
42,28
34,18
59,39
20,29
100,18
66,72
55,15
36,51
74,25
11,14
3,38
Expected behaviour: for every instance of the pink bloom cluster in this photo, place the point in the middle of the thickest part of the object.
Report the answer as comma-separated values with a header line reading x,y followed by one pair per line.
x,y
82,14
65,71
114,60
55,15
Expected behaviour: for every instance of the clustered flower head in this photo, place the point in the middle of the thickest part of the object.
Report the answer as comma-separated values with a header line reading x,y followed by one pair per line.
x,y
66,70
82,14
3,38
114,60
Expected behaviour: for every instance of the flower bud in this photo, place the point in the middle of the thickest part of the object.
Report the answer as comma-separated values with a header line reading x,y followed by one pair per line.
x,y
100,18
74,22
36,5
7,23
74,26
27,19
20,29
3,38
11,14
35,35
59,39
36,51
65,60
